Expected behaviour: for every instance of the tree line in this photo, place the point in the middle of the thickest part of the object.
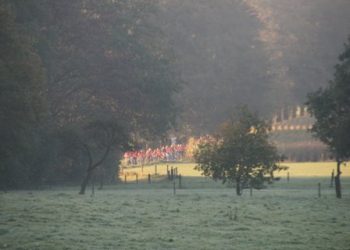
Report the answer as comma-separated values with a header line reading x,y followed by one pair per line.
x,y
79,81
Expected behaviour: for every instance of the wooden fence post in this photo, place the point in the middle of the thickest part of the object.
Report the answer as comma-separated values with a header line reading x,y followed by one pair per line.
x,y
149,178
332,178
174,188
93,186
251,188
288,177
319,190
167,170
180,182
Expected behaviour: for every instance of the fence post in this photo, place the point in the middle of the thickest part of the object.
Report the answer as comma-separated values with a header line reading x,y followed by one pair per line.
x,y
167,171
149,178
174,188
172,173
180,182
332,178
288,177
251,188
137,178
93,186
319,190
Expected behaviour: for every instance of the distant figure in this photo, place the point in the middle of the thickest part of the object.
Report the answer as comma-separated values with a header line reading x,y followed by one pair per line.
x,y
173,140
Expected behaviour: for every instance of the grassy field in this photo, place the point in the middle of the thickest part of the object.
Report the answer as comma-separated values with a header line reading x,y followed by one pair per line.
x,y
202,215
307,169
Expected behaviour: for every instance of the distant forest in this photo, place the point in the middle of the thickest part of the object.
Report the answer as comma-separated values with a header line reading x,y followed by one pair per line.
x,y
266,54
82,81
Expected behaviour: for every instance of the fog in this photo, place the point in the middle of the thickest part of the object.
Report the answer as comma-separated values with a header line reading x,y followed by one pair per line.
x,y
265,54
131,124
83,81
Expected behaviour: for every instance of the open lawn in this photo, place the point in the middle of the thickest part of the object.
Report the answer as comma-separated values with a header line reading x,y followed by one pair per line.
x,y
203,215
306,169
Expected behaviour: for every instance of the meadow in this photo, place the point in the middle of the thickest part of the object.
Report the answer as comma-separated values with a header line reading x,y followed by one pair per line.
x,y
295,169
202,215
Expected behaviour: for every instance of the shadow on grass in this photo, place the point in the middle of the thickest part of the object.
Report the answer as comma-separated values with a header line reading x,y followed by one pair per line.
x,y
162,182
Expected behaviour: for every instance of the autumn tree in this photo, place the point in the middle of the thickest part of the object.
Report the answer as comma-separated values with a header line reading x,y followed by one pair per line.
x,y
242,153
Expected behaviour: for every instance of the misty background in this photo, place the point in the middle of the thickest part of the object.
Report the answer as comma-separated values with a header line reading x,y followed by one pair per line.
x,y
83,81
267,54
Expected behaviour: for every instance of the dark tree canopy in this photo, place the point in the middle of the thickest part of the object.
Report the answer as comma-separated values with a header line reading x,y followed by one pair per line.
x,y
331,108
22,100
71,65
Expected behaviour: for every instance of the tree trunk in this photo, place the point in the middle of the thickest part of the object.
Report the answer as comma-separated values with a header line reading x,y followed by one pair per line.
x,y
92,167
85,182
102,176
238,187
337,180
272,177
